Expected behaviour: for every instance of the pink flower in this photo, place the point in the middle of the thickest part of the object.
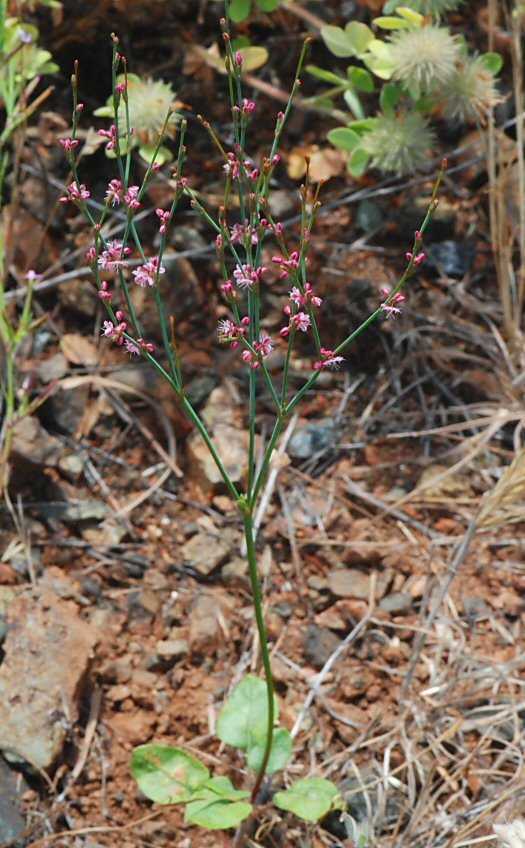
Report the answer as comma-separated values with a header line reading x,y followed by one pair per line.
x,y
112,258
231,167
240,233
114,192
393,307
299,321
120,88
246,277
68,144
287,265
103,292
115,331
91,254
130,198
227,330
146,275
416,260
265,345
111,135
164,218
301,299
132,348
74,193
32,276
328,360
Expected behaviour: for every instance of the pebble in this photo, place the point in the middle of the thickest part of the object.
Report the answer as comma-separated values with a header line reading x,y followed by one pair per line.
x,y
396,602
319,643
356,583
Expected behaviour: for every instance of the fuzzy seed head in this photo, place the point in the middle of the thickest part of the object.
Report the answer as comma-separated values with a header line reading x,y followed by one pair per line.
x,y
424,57
470,91
399,143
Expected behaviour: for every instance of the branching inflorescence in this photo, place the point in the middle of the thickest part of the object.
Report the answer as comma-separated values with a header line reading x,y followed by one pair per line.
x,y
243,279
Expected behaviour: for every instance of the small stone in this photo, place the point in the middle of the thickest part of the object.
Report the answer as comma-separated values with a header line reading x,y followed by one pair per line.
x,y
319,643
475,607
199,390
396,602
52,368
451,257
205,552
172,648
12,788
144,603
310,438
204,621
71,465
356,583
235,571
219,409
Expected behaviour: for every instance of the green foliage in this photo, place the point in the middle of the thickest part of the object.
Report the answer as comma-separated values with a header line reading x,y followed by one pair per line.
x,y
243,723
241,9
169,775
417,71
310,799
149,103
432,8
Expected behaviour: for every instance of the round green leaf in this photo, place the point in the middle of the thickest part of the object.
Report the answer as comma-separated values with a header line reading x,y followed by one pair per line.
x,y
267,5
279,755
310,798
358,36
243,720
167,775
389,97
492,62
239,10
360,78
358,162
343,138
217,814
337,42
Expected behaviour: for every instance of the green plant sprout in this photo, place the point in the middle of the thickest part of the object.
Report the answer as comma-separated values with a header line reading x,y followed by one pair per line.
x,y
249,718
22,62
425,72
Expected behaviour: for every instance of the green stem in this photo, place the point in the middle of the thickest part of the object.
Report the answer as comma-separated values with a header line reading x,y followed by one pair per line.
x,y
263,642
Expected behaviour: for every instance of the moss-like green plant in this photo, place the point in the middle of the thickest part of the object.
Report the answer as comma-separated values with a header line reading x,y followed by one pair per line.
x,y
148,102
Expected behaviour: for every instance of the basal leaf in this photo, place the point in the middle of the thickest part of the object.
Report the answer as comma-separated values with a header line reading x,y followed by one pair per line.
x,y
165,774
360,78
243,719
217,814
310,798
279,755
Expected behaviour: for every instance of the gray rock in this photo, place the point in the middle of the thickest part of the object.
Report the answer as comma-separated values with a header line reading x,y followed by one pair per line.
x,y
47,652
12,787
396,602
172,648
310,438
319,643
232,447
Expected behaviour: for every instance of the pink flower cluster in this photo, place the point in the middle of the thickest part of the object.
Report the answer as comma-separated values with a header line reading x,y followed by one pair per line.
x,y
230,332
262,348
299,321
163,218
75,192
112,258
392,308
307,296
328,360
287,265
246,276
115,331
146,275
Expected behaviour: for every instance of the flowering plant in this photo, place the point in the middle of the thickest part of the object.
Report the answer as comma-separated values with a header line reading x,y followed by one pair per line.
x,y
164,773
